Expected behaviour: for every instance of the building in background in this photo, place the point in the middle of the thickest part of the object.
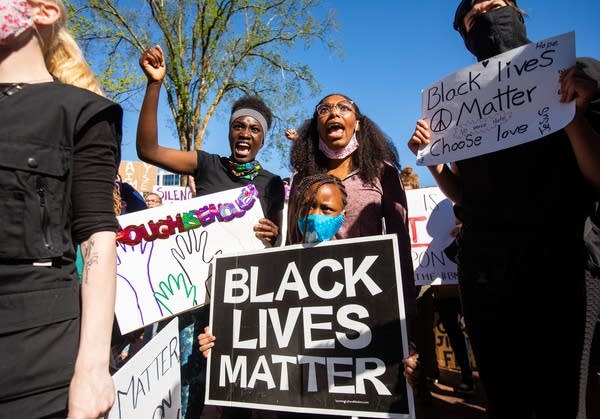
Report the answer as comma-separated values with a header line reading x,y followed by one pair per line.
x,y
164,178
144,177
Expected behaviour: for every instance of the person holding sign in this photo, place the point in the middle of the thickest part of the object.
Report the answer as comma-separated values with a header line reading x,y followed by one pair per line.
x,y
520,250
318,216
248,126
249,122
343,142
58,159
319,213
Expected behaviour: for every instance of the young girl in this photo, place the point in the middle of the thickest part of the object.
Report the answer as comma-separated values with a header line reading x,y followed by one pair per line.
x,y
318,216
319,210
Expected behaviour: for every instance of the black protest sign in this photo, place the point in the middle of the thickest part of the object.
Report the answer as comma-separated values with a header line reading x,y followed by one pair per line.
x,y
311,328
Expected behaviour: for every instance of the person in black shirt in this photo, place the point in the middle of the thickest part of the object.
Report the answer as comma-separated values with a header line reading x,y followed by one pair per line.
x,y
250,120
248,126
59,151
521,253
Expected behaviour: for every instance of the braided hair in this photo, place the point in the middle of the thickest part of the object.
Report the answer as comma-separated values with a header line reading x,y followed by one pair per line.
x,y
302,200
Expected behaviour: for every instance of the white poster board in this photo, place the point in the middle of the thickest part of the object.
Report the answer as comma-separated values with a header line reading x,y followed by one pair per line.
x,y
431,221
149,384
164,253
172,193
507,100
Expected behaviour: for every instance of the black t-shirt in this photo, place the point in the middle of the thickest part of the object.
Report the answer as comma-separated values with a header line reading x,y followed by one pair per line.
x,y
59,152
212,176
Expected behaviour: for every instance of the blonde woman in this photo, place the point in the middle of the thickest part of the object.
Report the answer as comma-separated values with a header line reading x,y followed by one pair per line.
x,y
59,148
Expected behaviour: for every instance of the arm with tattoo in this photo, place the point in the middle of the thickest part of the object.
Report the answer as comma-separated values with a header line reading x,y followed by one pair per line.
x,y
92,383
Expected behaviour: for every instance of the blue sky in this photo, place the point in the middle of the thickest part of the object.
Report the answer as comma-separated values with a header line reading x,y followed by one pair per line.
x,y
393,49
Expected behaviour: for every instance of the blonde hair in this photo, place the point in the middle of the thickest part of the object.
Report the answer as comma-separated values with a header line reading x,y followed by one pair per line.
x,y
64,58
117,199
409,178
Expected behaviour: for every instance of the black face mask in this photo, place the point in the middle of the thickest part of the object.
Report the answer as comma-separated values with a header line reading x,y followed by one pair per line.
x,y
495,32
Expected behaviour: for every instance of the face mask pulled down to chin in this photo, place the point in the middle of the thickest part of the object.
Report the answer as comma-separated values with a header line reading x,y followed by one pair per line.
x,y
495,32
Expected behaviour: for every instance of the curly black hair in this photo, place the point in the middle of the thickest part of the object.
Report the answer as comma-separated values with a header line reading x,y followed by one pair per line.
x,y
374,148
256,103
302,200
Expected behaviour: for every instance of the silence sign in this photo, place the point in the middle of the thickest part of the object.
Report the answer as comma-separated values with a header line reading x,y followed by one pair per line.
x,y
507,100
312,328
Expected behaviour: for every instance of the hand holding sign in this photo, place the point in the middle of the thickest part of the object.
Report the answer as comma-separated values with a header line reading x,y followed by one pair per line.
x,y
578,86
206,341
501,102
421,136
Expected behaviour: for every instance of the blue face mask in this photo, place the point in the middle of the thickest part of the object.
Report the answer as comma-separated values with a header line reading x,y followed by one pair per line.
x,y
320,228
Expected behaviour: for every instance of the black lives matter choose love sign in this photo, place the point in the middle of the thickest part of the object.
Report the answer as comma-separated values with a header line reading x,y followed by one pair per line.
x,y
312,328
498,103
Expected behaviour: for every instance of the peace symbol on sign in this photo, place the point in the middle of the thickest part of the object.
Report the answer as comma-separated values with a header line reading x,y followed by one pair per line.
x,y
441,120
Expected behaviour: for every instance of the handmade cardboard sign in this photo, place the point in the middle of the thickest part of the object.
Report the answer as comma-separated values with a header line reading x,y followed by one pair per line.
x,y
498,103
431,223
164,253
149,384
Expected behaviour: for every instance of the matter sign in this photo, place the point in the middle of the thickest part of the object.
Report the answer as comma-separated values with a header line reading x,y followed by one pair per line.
x,y
498,103
311,333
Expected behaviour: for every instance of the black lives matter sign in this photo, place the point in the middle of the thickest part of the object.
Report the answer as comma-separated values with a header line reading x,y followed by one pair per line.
x,y
311,328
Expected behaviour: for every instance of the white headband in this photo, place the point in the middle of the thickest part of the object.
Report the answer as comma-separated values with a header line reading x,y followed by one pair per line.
x,y
254,114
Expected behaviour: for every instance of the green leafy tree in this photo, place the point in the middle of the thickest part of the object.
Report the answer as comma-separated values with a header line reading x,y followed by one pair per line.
x,y
216,50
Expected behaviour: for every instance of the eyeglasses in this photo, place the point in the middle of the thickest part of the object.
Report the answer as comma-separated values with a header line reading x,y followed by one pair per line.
x,y
152,200
343,107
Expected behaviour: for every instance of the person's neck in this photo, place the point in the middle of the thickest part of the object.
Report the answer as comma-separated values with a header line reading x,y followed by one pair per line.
x,y
23,65
340,168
